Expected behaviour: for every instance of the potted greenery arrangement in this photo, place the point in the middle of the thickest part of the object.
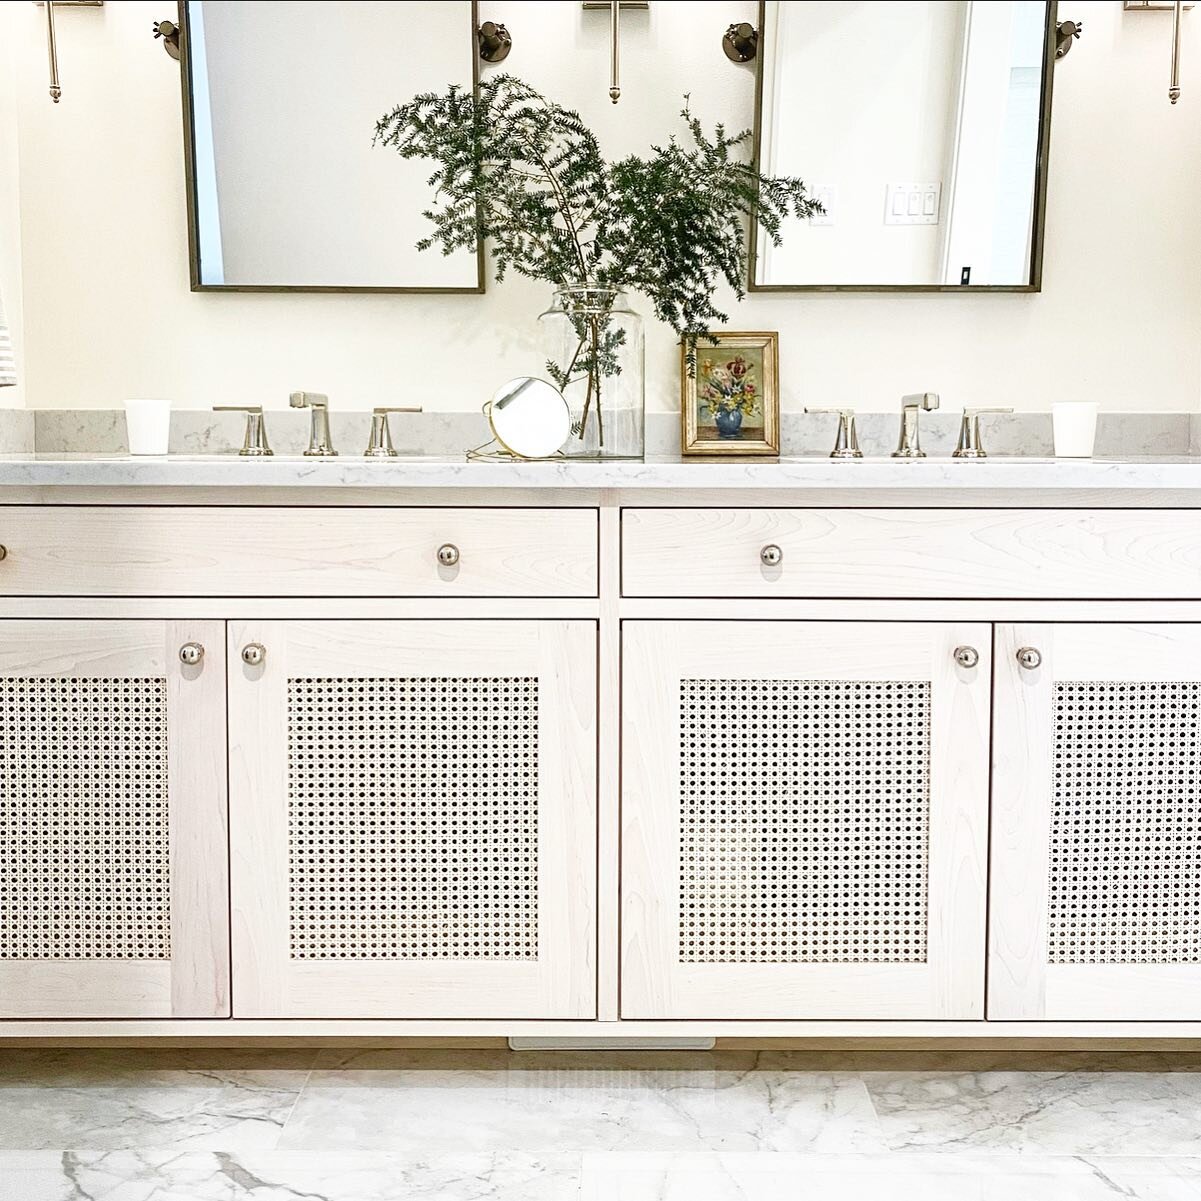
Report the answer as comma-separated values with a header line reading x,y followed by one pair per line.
x,y
528,176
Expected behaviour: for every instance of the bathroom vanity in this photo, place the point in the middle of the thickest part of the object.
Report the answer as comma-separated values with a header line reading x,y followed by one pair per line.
x,y
799,749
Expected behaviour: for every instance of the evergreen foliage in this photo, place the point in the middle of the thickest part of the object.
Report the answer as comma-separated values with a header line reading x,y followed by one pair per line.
x,y
528,176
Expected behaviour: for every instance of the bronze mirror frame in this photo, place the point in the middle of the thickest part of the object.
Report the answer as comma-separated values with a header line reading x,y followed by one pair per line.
x,y
185,67
1038,226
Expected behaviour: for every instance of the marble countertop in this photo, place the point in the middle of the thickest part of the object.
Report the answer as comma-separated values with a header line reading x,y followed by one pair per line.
x,y
993,475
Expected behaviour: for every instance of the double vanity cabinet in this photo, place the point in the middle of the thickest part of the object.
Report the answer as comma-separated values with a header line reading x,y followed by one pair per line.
x,y
535,749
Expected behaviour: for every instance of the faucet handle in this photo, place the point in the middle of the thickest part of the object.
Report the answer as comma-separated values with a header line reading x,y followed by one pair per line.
x,y
846,441
970,446
254,442
308,400
380,446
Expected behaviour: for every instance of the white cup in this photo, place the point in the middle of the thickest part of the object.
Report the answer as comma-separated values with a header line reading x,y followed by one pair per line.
x,y
148,424
1075,426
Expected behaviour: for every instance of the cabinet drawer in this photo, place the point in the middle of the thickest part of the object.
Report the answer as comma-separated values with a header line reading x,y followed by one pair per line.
x,y
965,553
189,551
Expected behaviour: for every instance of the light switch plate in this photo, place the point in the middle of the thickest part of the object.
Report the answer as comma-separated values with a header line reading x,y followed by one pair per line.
x,y
912,203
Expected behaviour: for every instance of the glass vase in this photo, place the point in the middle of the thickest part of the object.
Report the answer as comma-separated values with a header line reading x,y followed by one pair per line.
x,y
594,356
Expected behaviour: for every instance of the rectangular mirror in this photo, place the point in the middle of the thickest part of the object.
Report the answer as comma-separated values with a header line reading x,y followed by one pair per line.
x,y
285,191
921,127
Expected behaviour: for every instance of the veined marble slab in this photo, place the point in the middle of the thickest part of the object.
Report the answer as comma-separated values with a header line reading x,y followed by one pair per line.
x,y
491,1125
952,477
790,1177
500,1176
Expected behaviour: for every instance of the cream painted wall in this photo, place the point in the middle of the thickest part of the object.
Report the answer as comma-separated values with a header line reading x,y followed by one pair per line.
x,y
107,311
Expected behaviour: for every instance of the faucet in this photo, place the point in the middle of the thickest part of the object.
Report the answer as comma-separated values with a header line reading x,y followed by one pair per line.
x,y
910,446
320,443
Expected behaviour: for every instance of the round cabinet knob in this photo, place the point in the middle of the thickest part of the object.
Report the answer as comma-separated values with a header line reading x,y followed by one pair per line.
x,y
448,554
191,653
967,656
253,653
1029,658
771,555
3,552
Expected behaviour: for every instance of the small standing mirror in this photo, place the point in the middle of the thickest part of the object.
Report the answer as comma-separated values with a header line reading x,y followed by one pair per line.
x,y
529,418
921,128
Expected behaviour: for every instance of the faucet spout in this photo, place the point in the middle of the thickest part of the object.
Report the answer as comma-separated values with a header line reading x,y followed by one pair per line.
x,y
909,446
320,443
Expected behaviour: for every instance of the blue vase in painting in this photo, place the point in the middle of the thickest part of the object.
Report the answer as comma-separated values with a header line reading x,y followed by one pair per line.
x,y
728,422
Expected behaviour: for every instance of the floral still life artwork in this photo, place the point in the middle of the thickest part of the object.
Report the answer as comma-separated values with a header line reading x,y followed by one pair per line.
x,y
730,401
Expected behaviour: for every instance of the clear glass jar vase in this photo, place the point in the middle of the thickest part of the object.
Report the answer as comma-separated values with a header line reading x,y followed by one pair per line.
x,y
594,355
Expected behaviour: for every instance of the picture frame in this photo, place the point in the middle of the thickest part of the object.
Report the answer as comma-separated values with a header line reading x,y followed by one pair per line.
x,y
730,403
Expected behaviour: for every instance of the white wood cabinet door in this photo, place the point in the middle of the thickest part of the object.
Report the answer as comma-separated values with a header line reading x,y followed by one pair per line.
x,y
113,835
413,819
804,816
1095,910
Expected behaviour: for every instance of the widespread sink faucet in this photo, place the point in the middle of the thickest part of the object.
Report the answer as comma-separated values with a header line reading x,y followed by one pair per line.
x,y
320,443
910,446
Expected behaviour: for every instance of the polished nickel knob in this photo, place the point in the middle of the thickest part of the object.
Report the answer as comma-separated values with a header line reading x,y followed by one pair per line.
x,y
3,552
1029,658
191,653
771,555
253,654
448,554
967,656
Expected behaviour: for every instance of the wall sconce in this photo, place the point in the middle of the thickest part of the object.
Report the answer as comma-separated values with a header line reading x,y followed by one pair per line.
x,y
56,90
1177,9
741,42
615,7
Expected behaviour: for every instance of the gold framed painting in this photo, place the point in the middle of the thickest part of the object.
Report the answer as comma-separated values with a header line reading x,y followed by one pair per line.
x,y
730,405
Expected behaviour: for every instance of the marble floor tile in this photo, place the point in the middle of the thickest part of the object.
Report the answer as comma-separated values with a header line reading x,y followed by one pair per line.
x,y
563,1103
115,1099
279,1176
783,1176
1051,1113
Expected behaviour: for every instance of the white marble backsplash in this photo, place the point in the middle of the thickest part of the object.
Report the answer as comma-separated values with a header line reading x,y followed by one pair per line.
x,y
16,431
194,432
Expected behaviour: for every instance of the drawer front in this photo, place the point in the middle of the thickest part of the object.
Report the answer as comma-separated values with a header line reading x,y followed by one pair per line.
x,y
188,551
965,553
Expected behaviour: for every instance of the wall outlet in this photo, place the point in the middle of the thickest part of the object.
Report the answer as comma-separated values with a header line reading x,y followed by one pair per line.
x,y
912,203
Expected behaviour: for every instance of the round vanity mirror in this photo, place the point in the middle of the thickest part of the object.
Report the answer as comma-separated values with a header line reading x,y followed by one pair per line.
x,y
529,417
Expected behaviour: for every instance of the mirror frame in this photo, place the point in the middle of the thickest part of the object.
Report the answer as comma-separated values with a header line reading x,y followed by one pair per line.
x,y
1040,188
189,154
